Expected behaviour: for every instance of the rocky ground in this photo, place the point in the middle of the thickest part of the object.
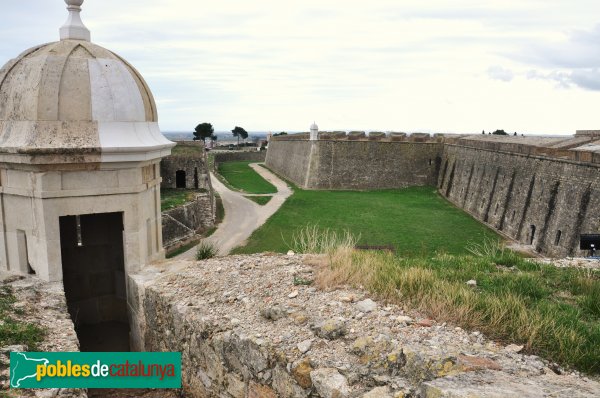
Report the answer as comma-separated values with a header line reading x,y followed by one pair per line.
x,y
341,343
585,263
43,304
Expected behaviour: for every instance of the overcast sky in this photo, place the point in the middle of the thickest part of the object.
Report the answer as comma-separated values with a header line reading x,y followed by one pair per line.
x,y
461,66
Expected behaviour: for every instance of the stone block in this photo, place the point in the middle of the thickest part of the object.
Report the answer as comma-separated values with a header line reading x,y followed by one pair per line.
x,y
398,136
376,136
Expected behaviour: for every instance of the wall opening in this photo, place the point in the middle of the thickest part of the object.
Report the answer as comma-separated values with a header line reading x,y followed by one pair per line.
x,y
22,250
531,234
94,279
180,179
196,181
558,236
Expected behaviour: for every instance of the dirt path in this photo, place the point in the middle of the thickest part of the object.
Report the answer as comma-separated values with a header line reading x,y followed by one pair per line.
x,y
242,216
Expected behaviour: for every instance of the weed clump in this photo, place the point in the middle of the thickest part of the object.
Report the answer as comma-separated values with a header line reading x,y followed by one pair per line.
x,y
314,240
206,250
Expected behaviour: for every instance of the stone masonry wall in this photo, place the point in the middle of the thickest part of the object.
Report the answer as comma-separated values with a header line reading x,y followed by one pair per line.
x,y
341,164
245,330
232,156
290,159
184,222
545,202
188,156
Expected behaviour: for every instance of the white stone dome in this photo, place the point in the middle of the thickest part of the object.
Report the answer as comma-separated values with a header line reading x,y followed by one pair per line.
x,y
73,96
314,126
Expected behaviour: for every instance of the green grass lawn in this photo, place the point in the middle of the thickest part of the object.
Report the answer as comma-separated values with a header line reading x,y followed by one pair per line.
x,y
172,198
242,177
416,221
261,200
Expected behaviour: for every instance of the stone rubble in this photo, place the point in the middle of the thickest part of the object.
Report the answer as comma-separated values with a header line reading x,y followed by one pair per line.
x,y
43,304
574,262
242,336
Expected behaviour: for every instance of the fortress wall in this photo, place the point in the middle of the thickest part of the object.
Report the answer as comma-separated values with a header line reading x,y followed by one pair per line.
x,y
374,164
341,164
529,198
290,159
254,156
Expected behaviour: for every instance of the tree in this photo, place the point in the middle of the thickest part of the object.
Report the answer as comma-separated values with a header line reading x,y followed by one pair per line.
x,y
500,132
282,133
239,132
482,131
203,131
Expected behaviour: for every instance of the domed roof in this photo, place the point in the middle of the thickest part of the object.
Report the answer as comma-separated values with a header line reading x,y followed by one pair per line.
x,y
314,126
73,80
74,96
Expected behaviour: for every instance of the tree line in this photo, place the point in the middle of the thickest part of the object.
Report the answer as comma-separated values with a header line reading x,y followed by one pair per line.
x,y
206,130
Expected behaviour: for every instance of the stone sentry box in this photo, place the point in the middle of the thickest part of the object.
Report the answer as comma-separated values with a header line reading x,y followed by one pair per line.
x,y
78,136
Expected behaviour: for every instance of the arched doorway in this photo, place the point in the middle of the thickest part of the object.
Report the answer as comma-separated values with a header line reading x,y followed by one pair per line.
x,y
180,179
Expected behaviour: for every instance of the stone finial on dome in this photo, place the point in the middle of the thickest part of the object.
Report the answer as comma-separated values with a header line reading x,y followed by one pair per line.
x,y
74,29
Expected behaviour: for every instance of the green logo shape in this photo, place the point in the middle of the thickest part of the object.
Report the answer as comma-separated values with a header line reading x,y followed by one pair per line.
x,y
95,370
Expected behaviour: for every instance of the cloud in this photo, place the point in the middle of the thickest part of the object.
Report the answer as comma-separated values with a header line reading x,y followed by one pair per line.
x,y
588,79
500,73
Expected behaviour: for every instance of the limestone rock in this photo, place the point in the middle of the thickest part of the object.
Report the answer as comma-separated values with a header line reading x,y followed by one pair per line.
x,y
493,384
472,283
274,312
367,305
404,319
514,348
304,346
378,392
329,383
331,329
301,373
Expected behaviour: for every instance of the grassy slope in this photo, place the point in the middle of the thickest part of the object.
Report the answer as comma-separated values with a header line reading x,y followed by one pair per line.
x,y
243,178
554,312
416,221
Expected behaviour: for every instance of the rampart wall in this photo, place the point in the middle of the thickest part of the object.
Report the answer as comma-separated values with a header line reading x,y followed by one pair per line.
x,y
537,200
349,164
232,156
290,159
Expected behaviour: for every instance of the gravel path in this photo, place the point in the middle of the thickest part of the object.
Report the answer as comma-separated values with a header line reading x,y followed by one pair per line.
x,y
242,216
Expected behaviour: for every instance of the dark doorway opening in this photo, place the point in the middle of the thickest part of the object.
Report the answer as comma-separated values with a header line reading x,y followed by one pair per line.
x,y
196,181
531,234
94,279
180,179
